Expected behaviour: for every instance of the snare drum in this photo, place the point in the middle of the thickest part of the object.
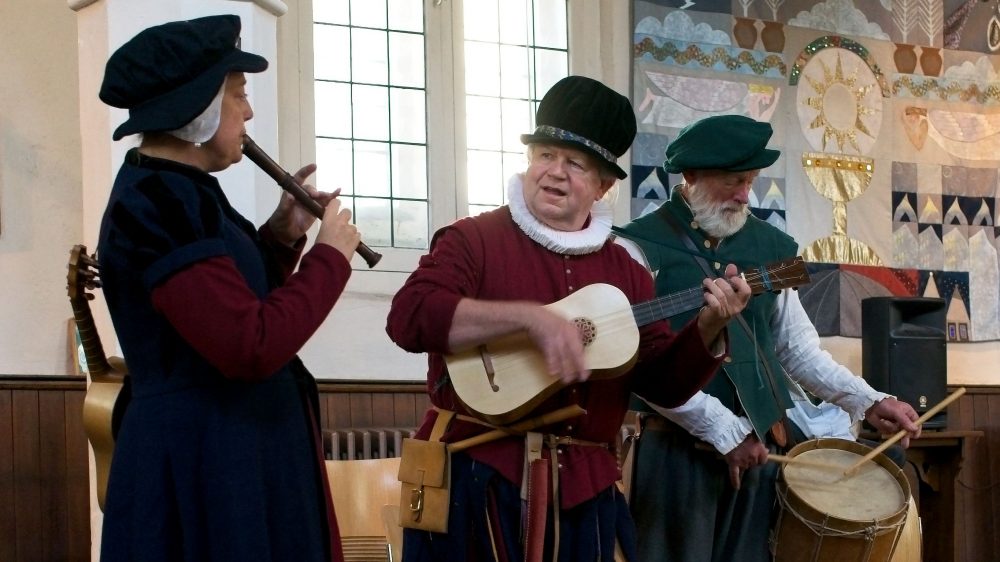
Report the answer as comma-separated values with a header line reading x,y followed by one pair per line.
x,y
827,517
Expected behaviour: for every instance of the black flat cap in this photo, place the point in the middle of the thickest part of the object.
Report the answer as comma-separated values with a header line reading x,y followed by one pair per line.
x,y
588,115
168,74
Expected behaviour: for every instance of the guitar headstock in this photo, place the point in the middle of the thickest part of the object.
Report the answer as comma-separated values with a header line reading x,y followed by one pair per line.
x,y
776,276
82,274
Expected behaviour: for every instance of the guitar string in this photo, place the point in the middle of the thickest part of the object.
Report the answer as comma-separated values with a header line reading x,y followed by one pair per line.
x,y
776,273
682,301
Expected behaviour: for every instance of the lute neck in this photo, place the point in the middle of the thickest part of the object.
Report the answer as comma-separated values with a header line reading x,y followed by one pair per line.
x,y
668,305
97,363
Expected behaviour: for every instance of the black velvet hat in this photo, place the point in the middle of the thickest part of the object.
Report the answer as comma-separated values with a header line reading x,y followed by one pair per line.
x,y
733,143
588,115
168,74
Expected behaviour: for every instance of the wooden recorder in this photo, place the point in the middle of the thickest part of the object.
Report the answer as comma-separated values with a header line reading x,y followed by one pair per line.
x,y
288,183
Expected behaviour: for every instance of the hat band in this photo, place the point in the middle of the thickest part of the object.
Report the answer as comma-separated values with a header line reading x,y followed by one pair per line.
x,y
564,135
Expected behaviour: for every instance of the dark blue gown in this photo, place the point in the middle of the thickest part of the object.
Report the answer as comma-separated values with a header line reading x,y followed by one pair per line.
x,y
205,468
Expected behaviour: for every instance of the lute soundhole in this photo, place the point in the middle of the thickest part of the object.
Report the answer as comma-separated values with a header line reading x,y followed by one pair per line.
x,y
588,330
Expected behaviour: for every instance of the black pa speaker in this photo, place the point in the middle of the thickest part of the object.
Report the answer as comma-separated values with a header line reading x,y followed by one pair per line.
x,y
903,351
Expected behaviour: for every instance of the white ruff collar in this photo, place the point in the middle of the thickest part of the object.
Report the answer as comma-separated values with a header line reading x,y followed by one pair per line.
x,y
586,241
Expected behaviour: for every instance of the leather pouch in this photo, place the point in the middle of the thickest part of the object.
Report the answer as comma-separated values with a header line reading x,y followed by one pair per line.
x,y
424,477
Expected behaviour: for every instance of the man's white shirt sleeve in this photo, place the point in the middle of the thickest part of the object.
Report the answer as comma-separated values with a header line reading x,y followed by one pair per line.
x,y
797,347
706,418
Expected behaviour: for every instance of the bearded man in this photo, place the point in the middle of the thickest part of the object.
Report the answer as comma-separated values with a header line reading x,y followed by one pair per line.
x,y
702,489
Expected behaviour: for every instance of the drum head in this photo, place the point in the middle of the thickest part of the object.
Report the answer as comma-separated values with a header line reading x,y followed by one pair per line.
x,y
871,493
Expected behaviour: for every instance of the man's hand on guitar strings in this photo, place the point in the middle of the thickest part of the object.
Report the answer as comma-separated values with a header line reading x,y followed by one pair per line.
x,y
725,297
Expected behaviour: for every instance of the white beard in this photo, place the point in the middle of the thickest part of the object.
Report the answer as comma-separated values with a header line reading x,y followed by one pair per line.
x,y
718,219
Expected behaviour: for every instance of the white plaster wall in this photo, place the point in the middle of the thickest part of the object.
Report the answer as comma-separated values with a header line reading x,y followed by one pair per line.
x,y
352,343
40,171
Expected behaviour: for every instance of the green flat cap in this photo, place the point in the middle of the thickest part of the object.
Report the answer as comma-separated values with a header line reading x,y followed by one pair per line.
x,y
722,142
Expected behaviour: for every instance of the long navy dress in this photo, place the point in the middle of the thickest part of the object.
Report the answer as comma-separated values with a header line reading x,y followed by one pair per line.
x,y
205,467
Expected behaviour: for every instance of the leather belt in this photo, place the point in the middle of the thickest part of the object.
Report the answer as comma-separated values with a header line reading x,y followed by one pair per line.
x,y
537,484
555,441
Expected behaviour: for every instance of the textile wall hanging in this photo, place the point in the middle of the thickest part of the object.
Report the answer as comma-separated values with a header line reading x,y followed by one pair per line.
x,y
887,114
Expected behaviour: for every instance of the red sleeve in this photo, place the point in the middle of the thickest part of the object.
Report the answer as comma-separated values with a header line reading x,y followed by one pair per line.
x,y
286,256
422,310
673,366
213,309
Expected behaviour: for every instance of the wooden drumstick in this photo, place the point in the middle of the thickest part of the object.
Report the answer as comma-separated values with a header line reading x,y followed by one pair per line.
x,y
902,432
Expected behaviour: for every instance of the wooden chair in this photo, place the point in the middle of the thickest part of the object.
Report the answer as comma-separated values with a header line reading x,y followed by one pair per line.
x,y
366,498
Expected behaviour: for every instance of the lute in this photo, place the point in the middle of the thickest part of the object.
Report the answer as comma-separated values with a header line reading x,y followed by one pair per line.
x,y
505,379
108,394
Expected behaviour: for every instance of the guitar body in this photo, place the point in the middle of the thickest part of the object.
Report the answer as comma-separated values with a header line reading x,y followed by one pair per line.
x,y
103,407
520,381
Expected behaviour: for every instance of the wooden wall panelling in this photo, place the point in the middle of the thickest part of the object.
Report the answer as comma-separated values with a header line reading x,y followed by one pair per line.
x,y
8,530
44,479
54,485
77,452
353,404
976,476
382,413
987,488
27,474
410,408
960,417
977,530
361,409
338,410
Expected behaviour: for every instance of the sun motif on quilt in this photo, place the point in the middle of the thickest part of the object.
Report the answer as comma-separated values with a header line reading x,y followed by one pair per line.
x,y
840,104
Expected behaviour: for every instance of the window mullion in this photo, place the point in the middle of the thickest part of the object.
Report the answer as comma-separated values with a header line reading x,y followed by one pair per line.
x,y
445,114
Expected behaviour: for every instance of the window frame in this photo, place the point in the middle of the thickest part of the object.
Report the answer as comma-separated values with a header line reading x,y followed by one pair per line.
x,y
599,47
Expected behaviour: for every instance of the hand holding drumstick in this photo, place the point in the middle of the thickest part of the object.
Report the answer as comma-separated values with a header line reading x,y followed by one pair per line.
x,y
889,416
902,433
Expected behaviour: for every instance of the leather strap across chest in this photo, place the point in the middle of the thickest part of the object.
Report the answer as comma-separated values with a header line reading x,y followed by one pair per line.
x,y
778,431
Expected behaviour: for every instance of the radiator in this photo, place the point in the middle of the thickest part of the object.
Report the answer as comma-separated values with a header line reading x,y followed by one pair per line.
x,y
364,443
